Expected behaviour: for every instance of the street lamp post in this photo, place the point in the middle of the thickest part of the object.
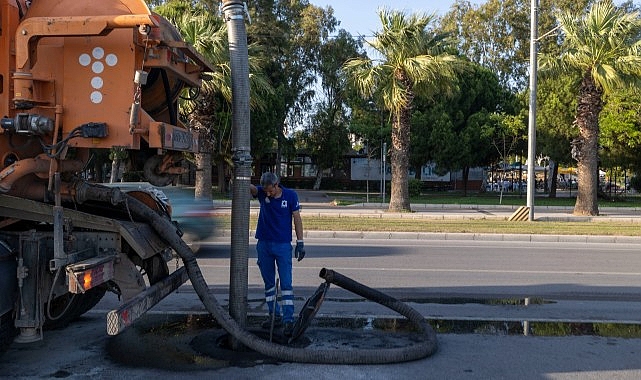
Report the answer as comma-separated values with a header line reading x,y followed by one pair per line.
x,y
368,171
383,148
531,152
384,171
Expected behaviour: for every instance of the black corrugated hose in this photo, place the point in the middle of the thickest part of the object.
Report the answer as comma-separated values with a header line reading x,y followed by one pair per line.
x,y
426,347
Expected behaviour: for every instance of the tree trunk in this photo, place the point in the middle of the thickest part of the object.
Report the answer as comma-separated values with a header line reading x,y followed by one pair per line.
x,y
319,179
587,119
466,175
554,173
222,184
115,167
203,176
399,159
99,167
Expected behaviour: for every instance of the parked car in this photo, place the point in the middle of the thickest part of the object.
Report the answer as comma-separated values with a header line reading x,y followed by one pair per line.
x,y
193,217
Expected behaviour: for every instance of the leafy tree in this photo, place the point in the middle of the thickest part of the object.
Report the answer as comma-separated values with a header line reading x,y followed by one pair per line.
x,y
414,59
506,133
327,131
602,47
620,123
455,131
556,106
290,34
496,34
368,121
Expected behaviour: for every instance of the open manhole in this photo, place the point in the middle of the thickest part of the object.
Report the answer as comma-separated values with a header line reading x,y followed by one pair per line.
x,y
164,342
196,342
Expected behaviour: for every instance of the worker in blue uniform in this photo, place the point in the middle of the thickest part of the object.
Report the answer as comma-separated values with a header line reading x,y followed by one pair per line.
x,y
279,206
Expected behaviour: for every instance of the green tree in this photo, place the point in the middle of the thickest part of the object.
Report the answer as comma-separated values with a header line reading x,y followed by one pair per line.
x,y
603,47
506,133
496,34
620,123
556,105
414,59
208,110
455,131
327,130
290,34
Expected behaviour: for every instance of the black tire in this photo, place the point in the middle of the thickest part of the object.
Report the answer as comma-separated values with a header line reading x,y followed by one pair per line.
x,y
7,331
154,268
151,174
61,312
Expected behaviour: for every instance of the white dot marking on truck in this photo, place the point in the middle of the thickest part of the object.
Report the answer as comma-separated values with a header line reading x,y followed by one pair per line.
x,y
96,82
97,67
98,52
111,60
84,59
96,97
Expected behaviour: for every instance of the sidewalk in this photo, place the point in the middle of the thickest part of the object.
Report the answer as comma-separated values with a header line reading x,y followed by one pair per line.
x,y
340,304
318,203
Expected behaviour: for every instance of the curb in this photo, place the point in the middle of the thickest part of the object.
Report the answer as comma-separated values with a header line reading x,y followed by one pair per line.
x,y
427,236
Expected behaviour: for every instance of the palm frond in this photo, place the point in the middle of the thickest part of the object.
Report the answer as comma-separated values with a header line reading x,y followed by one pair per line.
x,y
362,74
604,44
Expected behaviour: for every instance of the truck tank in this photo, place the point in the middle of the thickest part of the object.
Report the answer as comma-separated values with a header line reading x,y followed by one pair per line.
x,y
79,77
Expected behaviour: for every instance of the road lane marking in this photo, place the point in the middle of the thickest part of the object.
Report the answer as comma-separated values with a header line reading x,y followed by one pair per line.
x,y
437,270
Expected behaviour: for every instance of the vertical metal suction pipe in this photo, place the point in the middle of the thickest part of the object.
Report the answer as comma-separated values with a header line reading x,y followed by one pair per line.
x,y
234,13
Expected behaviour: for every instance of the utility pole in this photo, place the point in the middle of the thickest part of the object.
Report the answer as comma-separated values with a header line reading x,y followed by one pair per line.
x,y
531,150
384,168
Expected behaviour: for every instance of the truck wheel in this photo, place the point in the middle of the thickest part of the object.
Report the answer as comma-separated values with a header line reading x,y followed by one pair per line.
x,y
7,330
70,306
155,268
152,175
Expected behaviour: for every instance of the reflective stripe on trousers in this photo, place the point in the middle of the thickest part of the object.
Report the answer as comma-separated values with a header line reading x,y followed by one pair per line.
x,y
271,257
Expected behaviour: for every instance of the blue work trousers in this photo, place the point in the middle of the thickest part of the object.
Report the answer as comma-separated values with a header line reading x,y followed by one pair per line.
x,y
272,256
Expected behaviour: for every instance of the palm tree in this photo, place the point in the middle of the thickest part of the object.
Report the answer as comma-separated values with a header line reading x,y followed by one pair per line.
x,y
207,33
603,47
413,60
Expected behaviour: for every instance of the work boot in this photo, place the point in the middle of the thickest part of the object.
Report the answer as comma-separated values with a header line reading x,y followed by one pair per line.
x,y
267,324
288,329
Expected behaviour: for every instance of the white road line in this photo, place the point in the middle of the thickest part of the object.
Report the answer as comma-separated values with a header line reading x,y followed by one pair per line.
x,y
437,270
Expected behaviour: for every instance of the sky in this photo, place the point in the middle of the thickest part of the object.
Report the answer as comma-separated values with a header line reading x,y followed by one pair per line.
x,y
360,17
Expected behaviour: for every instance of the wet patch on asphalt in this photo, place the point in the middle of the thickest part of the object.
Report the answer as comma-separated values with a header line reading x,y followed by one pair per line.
x,y
197,342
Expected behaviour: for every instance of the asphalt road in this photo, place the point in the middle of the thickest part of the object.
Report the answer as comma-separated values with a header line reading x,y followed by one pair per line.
x,y
455,268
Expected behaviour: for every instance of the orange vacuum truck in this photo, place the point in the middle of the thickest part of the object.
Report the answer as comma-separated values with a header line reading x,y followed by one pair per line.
x,y
77,77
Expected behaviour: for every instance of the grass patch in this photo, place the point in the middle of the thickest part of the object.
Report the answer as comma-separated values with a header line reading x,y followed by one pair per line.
x,y
510,199
490,226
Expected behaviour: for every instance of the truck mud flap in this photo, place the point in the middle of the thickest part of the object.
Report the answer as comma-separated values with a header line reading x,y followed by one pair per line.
x,y
129,312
